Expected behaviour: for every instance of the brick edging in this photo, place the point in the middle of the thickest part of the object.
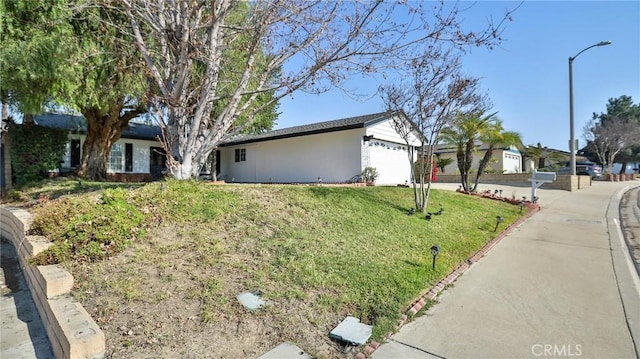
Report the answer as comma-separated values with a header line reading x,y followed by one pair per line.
x,y
70,329
433,292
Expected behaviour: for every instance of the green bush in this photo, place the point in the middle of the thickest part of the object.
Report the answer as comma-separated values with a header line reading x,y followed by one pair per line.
x,y
35,150
89,231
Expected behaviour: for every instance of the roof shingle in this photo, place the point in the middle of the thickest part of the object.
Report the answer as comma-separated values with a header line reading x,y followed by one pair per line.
x,y
313,128
78,124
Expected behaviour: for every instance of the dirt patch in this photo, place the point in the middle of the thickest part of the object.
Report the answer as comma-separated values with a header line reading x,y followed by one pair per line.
x,y
164,299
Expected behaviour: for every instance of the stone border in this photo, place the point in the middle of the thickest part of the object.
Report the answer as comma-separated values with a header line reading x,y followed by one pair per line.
x,y
432,293
71,330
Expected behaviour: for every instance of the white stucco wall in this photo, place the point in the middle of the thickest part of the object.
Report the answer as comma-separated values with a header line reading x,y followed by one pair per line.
x,y
385,131
333,156
507,161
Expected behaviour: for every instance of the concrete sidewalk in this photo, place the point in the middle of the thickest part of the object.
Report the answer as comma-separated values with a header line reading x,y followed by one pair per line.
x,y
560,285
22,334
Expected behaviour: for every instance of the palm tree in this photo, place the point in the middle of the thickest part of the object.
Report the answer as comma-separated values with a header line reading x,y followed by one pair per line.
x,y
464,134
443,163
494,136
541,155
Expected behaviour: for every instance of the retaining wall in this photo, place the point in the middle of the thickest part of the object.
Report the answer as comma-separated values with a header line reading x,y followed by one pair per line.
x,y
562,182
71,330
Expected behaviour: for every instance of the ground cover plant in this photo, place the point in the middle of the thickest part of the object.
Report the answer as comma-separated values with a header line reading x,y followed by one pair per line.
x,y
159,266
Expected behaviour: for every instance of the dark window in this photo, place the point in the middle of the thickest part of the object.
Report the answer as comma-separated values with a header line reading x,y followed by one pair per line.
x,y
241,154
128,157
217,162
157,162
75,153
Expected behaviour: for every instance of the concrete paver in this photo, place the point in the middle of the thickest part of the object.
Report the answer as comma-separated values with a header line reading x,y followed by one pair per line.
x,y
548,289
22,335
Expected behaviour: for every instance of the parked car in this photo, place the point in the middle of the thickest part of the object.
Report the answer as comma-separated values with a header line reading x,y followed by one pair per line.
x,y
585,169
628,170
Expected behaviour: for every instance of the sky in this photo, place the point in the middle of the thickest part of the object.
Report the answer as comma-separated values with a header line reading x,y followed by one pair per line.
x,y
527,77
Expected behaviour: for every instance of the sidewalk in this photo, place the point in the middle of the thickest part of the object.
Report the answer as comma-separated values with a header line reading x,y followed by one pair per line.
x,y
22,335
551,288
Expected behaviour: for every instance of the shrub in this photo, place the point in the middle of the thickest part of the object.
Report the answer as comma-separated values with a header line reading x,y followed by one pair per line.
x,y
369,174
35,150
89,231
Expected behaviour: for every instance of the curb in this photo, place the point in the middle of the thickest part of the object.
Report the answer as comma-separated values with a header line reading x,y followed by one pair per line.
x,y
70,329
433,292
627,279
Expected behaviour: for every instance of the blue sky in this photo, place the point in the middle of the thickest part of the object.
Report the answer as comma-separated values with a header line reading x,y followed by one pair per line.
x,y
527,78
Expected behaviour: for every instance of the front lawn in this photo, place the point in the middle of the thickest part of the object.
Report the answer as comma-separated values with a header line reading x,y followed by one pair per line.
x,y
168,259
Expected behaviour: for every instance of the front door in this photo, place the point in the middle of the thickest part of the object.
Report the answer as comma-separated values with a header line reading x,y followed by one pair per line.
x,y
157,162
75,153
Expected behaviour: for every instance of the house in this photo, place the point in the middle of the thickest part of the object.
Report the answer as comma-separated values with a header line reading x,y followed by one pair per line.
x,y
332,152
506,159
136,156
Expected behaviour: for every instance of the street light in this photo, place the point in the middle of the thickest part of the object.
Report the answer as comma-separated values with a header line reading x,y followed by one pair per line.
x,y
572,138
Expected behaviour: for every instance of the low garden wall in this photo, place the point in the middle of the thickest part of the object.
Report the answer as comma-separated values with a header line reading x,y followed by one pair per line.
x,y
562,182
71,330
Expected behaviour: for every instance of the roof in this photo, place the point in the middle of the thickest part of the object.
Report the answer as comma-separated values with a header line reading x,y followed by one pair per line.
x,y
314,128
78,124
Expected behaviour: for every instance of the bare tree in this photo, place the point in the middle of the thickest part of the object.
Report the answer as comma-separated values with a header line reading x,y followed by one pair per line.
x,y
431,98
610,138
289,45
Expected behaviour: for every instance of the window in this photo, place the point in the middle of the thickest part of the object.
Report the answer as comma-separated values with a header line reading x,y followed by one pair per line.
x,y
241,154
115,158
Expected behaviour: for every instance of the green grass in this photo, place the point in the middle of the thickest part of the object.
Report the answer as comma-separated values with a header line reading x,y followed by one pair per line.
x,y
333,249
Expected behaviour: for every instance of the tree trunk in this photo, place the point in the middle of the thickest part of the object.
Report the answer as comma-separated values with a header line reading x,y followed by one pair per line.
x,y
5,110
482,165
461,166
214,165
27,119
466,164
623,167
184,170
103,130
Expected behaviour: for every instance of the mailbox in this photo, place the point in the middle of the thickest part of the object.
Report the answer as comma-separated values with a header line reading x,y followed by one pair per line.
x,y
544,176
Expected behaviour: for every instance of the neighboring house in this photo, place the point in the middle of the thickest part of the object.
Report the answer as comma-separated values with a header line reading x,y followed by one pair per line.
x,y
331,152
136,156
551,158
506,159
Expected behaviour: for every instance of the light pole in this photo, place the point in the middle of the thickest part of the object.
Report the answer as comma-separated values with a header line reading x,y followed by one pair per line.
x,y
572,138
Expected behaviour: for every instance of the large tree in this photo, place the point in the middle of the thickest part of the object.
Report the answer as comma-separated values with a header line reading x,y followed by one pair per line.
x,y
76,59
62,54
289,46
431,96
609,138
618,109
